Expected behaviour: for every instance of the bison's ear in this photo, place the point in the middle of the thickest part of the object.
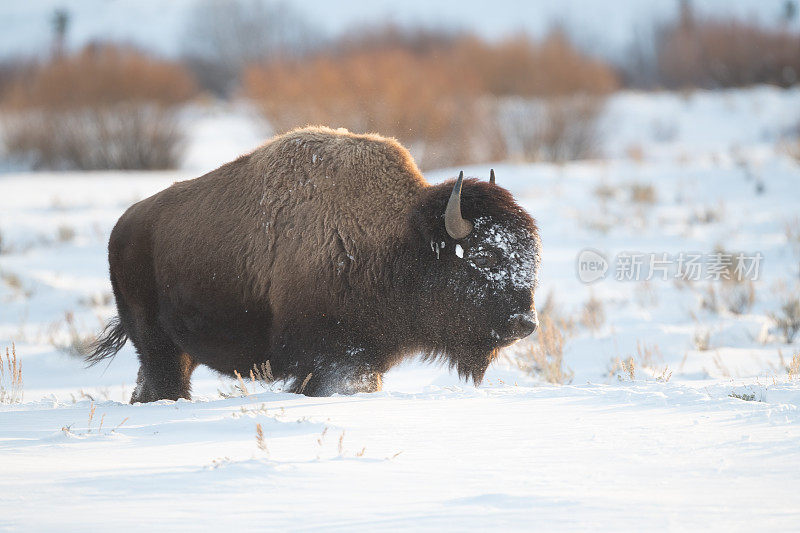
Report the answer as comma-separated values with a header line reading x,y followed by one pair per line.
x,y
427,226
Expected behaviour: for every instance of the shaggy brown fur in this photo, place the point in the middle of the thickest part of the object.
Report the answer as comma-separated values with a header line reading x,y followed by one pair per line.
x,y
323,252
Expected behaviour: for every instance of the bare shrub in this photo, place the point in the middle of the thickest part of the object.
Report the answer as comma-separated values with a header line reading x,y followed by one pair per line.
x,y
551,310
262,374
92,409
593,314
635,152
304,383
106,107
701,339
77,344
555,128
793,368
261,442
123,137
791,148
65,233
732,289
559,94
648,356
606,192
340,445
751,397
642,193
792,232
242,386
230,390
544,356
738,295
11,384
568,90
96,300
14,282
623,368
787,318
645,294
707,214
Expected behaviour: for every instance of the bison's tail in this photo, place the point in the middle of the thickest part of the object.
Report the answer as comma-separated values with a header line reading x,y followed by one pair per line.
x,y
108,343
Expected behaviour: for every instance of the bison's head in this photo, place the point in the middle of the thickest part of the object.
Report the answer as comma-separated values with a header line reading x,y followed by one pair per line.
x,y
482,255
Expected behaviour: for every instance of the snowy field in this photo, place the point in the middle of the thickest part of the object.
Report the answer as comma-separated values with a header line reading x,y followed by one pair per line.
x,y
703,432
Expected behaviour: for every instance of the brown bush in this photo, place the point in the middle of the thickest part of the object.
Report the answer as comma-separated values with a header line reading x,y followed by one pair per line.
x,y
713,53
12,70
563,94
439,95
555,128
414,99
519,66
544,356
787,319
105,107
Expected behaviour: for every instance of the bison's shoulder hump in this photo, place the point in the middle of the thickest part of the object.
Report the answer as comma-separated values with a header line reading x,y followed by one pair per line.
x,y
350,154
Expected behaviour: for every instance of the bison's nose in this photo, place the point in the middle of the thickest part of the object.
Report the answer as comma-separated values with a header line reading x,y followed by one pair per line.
x,y
522,324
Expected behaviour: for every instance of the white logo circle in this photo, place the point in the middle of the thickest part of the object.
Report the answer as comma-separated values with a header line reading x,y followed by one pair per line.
x,y
591,266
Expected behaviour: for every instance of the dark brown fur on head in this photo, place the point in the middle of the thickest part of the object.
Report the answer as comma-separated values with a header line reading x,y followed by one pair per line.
x,y
464,308
324,253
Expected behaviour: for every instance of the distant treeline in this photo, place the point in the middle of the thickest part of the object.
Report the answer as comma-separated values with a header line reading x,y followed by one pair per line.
x,y
452,97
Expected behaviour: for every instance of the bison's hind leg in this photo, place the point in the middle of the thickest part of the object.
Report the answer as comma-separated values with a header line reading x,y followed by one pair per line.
x,y
165,371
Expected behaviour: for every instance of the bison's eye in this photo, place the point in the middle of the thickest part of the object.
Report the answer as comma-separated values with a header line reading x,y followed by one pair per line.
x,y
484,259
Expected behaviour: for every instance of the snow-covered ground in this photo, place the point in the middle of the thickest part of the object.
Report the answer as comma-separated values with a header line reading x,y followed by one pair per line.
x,y
703,433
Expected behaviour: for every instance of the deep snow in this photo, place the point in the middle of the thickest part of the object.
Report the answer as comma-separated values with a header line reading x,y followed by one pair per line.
x,y
429,452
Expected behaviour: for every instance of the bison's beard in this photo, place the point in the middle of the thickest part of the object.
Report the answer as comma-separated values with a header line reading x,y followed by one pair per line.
x,y
473,364
470,362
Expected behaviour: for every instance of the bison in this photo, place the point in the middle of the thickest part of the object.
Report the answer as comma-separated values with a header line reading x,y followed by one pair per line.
x,y
325,253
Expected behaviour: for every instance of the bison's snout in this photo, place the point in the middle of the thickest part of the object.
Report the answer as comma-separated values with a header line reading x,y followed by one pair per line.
x,y
521,325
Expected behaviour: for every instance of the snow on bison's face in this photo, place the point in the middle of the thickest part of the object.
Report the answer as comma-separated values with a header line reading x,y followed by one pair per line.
x,y
486,265
500,264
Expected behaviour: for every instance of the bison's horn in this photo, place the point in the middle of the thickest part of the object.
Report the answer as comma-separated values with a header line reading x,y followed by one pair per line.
x,y
456,226
491,176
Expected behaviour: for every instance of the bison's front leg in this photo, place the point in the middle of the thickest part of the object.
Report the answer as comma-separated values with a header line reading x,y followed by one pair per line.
x,y
345,383
335,360
335,378
337,371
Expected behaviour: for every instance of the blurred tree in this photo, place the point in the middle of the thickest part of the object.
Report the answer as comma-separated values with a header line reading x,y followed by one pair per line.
x,y
686,14
60,22
789,11
224,36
